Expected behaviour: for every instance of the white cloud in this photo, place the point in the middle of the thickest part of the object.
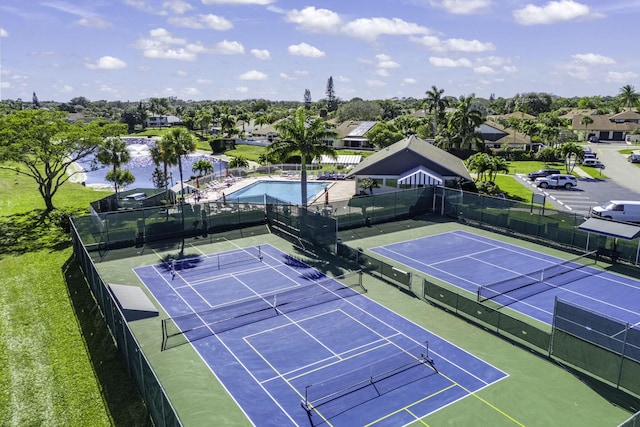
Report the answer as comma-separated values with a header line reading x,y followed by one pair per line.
x,y
179,54
624,78
258,2
483,69
342,79
286,76
388,64
453,45
242,89
4,33
304,49
98,23
510,69
463,7
261,54
449,62
408,81
370,28
4,84
106,63
213,22
382,72
177,6
592,59
190,91
182,73
204,81
315,20
253,75
146,6
550,13
229,48
375,83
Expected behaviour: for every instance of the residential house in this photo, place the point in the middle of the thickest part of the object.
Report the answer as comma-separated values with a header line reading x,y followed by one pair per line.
x,y
163,121
606,127
353,134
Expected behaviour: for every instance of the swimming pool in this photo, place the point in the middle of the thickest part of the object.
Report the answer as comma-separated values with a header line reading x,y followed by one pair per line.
x,y
287,191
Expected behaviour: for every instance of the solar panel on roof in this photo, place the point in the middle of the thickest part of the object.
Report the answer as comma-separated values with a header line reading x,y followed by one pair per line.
x,y
362,129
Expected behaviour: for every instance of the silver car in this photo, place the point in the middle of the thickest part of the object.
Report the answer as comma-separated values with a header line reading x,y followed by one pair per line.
x,y
557,181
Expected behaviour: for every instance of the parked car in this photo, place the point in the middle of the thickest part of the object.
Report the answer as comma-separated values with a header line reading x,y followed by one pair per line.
x,y
542,173
594,163
634,158
557,181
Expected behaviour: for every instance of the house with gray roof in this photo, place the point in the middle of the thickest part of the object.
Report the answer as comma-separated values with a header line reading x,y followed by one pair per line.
x,y
412,163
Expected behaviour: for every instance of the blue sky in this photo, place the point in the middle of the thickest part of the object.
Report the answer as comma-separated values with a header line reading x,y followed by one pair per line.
x,y
275,49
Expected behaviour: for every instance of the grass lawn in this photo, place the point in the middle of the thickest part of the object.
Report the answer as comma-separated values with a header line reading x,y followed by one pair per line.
x,y
59,364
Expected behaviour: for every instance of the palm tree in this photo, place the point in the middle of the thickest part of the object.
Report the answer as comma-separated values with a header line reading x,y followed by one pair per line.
x,y
177,143
464,122
436,106
628,96
202,167
114,153
571,150
238,162
497,165
300,133
160,155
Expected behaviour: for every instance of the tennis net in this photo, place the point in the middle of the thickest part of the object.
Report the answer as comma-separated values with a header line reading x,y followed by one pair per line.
x,y
372,380
526,285
190,327
193,268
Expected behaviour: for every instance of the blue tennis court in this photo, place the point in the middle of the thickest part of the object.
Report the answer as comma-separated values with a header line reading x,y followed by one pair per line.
x,y
295,347
524,280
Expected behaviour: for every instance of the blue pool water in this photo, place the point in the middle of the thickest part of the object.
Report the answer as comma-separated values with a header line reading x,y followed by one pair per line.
x,y
287,191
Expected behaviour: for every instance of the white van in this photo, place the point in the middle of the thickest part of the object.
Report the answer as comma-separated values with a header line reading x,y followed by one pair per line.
x,y
618,210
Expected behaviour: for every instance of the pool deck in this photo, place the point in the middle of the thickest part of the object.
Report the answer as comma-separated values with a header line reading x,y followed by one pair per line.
x,y
338,189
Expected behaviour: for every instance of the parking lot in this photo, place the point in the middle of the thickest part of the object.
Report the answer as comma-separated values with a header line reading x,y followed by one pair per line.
x,y
622,183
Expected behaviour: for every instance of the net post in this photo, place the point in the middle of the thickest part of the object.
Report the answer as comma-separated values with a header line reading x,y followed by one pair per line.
x,y
163,324
305,401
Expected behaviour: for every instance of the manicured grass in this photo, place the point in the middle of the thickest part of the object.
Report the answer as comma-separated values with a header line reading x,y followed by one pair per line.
x,y
59,364
524,167
249,152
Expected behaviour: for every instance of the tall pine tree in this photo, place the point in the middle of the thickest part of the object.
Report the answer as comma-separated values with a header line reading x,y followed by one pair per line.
x,y
332,102
307,99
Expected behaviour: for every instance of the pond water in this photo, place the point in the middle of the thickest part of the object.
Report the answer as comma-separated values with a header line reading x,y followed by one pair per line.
x,y
142,167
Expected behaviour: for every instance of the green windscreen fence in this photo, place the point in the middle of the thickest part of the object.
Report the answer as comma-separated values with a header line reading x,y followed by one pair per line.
x,y
604,346
299,224
498,321
160,408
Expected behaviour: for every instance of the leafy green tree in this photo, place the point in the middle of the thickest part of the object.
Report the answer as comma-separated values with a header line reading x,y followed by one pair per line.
x,y
202,167
497,165
547,154
113,152
43,145
305,135
357,109
436,106
628,96
176,143
384,134
120,177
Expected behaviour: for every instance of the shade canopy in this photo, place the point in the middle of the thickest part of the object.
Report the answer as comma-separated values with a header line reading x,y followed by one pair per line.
x,y
610,228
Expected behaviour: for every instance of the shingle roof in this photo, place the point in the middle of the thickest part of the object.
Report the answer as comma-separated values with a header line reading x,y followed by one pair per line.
x,y
425,152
